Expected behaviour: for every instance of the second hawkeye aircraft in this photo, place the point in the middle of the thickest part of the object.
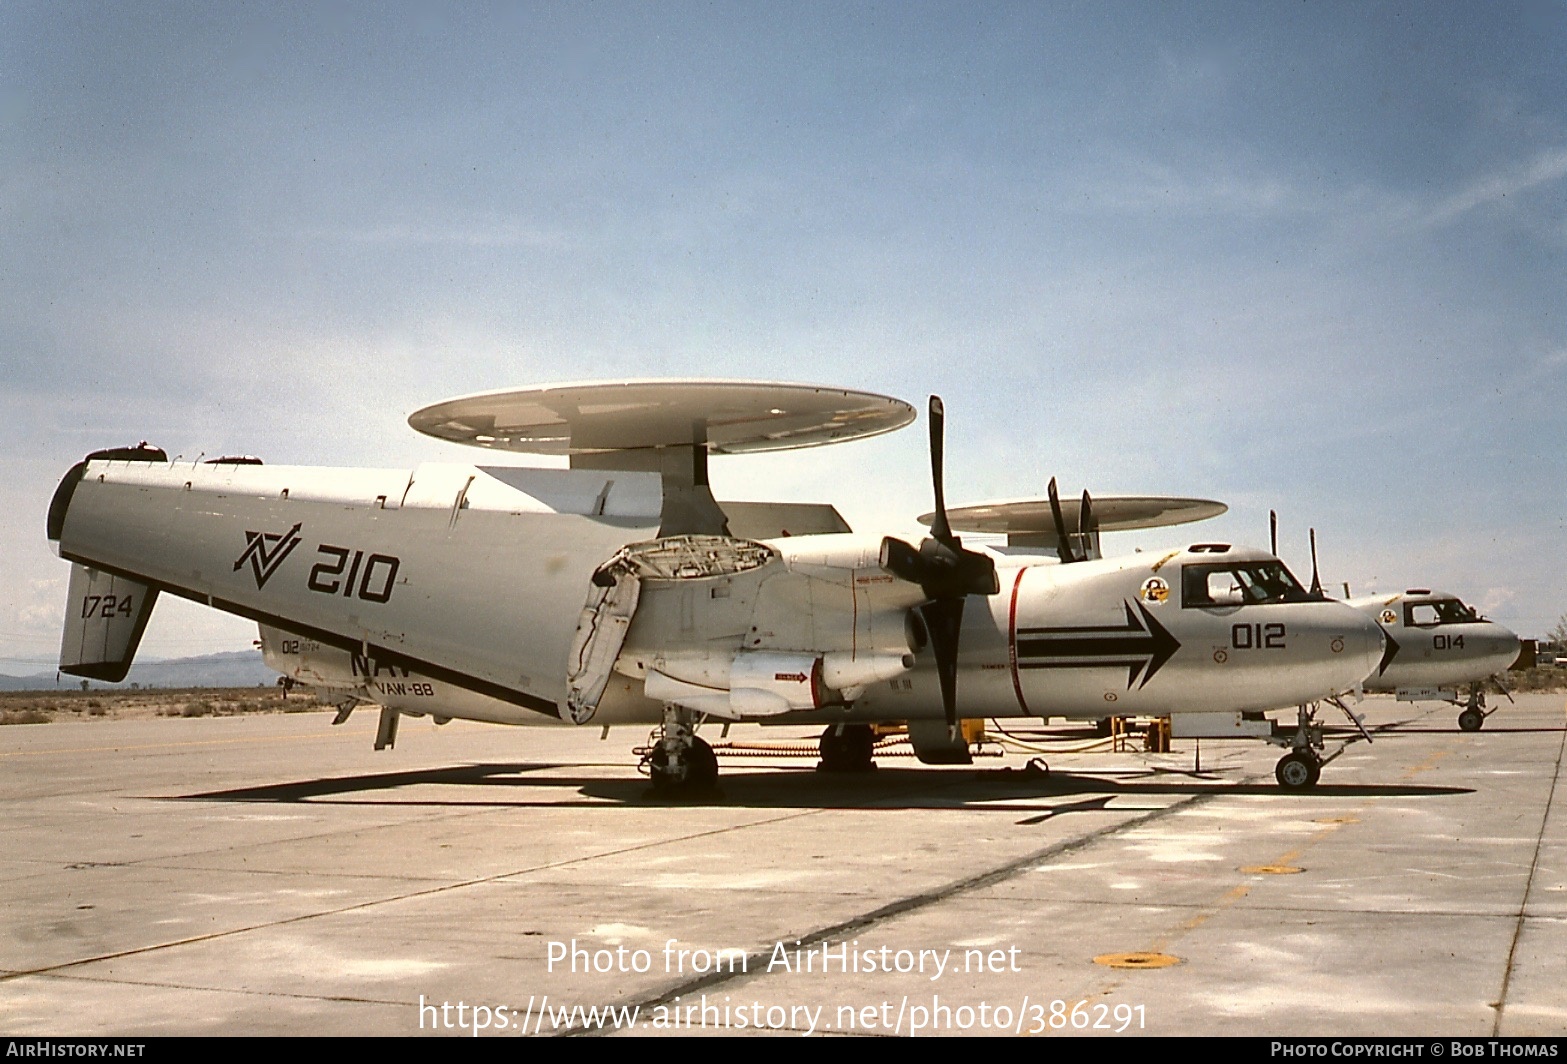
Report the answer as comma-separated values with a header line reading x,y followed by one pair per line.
x,y
1435,644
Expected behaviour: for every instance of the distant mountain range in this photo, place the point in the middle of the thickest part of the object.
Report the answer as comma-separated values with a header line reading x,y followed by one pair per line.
x,y
239,668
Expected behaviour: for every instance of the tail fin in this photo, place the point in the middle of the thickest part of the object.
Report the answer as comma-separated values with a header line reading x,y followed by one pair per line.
x,y
105,616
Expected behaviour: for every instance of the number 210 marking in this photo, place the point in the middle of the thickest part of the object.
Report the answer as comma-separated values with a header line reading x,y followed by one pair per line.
x,y
375,574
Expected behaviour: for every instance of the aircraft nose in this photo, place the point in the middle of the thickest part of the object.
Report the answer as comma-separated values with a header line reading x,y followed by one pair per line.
x,y
1504,643
1363,644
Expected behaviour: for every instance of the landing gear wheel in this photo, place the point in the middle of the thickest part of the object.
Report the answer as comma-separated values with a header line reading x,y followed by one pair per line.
x,y
702,770
1297,770
848,748
1471,719
695,772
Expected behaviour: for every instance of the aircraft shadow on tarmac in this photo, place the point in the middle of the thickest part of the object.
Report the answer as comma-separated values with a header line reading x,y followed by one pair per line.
x,y
518,785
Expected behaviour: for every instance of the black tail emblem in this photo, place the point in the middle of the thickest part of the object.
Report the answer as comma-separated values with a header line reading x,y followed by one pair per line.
x,y
265,551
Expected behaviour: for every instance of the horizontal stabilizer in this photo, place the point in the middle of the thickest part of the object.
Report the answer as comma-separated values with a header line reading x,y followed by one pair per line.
x,y
105,616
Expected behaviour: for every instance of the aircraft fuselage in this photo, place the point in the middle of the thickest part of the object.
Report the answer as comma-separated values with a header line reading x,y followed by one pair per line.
x,y
463,591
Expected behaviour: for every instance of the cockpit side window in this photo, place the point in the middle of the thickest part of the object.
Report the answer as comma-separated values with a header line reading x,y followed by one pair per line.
x,y
1209,585
1442,611
1248,584
1451,611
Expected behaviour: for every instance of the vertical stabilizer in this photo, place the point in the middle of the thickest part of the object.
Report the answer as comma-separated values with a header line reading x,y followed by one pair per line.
x,y
105,616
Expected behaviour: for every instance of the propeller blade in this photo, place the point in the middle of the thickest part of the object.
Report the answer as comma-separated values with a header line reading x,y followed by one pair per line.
x,y
1063,547
945,572
944,620
1273,533
939,528
1085,524
1316,580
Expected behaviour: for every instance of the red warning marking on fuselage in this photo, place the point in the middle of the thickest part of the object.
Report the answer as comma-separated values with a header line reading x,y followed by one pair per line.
x,y
1017,683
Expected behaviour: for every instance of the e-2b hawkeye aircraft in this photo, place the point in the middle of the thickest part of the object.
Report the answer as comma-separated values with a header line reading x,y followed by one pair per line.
x,y
1434,643
619,591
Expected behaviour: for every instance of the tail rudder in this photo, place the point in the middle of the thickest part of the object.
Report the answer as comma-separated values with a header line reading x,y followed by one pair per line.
x,y
105,616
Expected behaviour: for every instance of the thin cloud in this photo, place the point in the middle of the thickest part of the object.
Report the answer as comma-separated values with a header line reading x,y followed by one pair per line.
x,y
1493,188
1164,189
499,234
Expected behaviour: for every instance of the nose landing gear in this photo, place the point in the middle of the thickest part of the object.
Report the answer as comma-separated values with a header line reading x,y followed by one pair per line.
x,y
1298,770
1301,768
1474,712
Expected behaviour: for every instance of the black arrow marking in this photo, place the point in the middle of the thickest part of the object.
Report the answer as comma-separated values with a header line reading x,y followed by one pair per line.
x,y
1142,645
1389,652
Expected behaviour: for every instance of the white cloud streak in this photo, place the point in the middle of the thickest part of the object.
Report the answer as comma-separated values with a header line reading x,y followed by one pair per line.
x,y
1493,188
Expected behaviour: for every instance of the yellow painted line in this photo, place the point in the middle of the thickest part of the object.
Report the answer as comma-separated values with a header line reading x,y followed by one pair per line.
x,y
1235,894
1425,766
1162,944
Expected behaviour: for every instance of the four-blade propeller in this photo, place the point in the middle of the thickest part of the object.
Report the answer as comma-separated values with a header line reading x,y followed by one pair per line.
x,y
945,571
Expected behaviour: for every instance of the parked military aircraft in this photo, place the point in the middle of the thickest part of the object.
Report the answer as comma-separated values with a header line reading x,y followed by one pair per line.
x,y
620,591
1434,645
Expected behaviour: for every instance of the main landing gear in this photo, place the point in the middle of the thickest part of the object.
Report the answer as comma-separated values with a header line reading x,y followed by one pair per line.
x,y
848,748
679,763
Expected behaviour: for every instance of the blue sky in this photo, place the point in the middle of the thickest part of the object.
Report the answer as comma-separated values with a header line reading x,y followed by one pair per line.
x,y
1310,257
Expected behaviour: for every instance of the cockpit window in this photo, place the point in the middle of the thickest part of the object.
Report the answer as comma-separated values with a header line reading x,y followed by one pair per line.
x,y
1239,584
1442,611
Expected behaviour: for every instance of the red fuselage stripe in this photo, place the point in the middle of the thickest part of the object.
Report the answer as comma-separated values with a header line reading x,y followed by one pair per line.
x,y
1017,684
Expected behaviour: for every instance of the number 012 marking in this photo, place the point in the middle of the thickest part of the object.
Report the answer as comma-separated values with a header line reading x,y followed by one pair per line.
x,y
1257,636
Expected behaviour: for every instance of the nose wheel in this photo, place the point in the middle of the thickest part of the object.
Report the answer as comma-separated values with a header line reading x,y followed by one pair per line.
x,y
1298,770
1473,716
1301,767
